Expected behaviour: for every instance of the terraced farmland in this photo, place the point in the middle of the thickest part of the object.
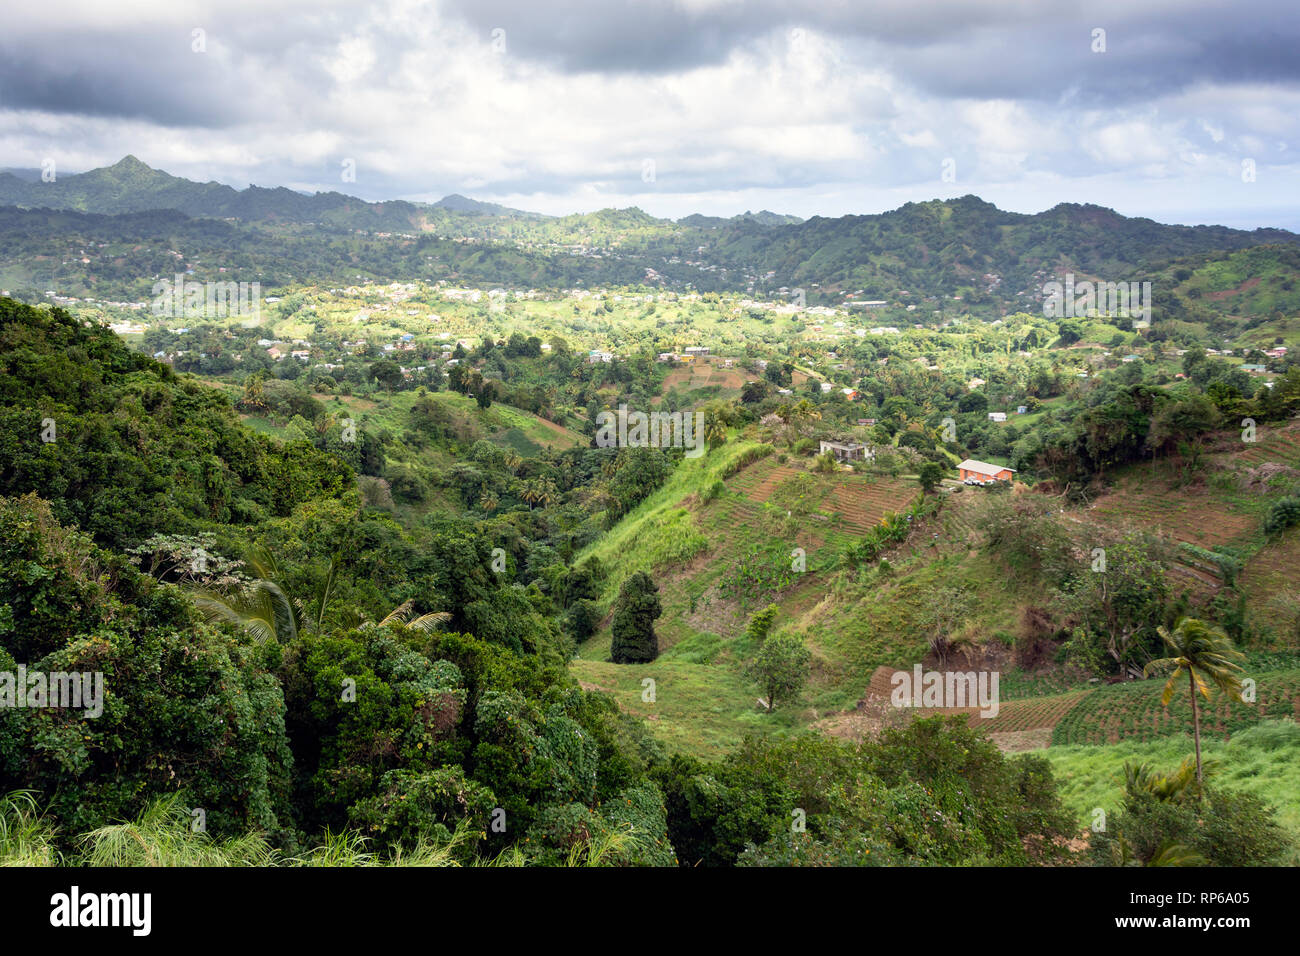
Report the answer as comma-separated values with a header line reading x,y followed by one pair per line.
x,y
1274,444
1270,581
1033,713
853,503
959,518
1103,715
1196,516
861,503
1132,711
760,480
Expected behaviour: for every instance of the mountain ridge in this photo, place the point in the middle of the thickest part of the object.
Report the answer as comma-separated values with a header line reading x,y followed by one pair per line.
x,y
131,186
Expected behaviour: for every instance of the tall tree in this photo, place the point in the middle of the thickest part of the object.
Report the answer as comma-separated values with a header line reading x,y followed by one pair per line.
x,y
930,476
1206,655
387,373
635,641
780,667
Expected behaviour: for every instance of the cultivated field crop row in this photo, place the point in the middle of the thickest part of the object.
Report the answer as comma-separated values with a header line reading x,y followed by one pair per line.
x,y
1132,711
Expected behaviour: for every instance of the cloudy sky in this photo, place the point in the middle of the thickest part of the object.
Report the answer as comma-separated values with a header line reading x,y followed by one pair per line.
x,y
1181,111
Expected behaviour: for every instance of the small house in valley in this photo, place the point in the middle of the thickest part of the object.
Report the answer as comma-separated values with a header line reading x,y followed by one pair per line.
x,y
846,450
983,471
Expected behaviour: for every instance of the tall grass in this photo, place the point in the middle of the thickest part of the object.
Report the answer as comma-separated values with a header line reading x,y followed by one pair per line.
x,y
163,836
352,849
1261,760
26,837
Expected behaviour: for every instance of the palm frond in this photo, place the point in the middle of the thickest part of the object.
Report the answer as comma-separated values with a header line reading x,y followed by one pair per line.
x,y
326,593
1170,853
1168,693
1161,665
262,611
263,562
430,622
400,617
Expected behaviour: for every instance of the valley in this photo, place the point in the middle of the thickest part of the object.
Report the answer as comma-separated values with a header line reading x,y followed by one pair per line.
x,y
395,473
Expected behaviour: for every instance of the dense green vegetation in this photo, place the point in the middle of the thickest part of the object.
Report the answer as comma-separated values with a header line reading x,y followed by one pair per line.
x,y
110,233
304,707
366,587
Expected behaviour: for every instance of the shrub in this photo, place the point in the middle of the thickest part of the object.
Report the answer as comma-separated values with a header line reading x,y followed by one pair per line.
x,y
638,606
780,667
630,829
931,476
1224,829
826,463
582,619
1282,515
1025,534
413,807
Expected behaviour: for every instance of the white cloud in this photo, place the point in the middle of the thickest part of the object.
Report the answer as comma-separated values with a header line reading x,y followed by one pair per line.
x,y
791,117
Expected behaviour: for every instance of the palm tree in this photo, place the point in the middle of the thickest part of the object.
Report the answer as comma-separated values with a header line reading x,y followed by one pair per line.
x,y
531,492
261,608
538,491
402,617
1168,853
547,493
1206,655
715,431
1173,787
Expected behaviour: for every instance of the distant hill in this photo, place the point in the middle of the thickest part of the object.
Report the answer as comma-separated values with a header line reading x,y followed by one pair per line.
x,y
130,185
763,218
458,203
941,246
923,254
766,218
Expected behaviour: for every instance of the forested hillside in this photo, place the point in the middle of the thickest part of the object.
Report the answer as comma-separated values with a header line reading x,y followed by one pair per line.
x,y
286,661
350,617
111,233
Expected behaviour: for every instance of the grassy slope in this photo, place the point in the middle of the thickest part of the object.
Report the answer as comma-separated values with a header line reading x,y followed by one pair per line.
x,y
1261,760
855,622
700,553
1271,588
696,708
505,425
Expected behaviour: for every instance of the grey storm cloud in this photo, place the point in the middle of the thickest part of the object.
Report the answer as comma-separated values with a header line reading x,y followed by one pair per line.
x,y
659,36
724,96
148,69
950,49
955,48
120,75
1142,61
